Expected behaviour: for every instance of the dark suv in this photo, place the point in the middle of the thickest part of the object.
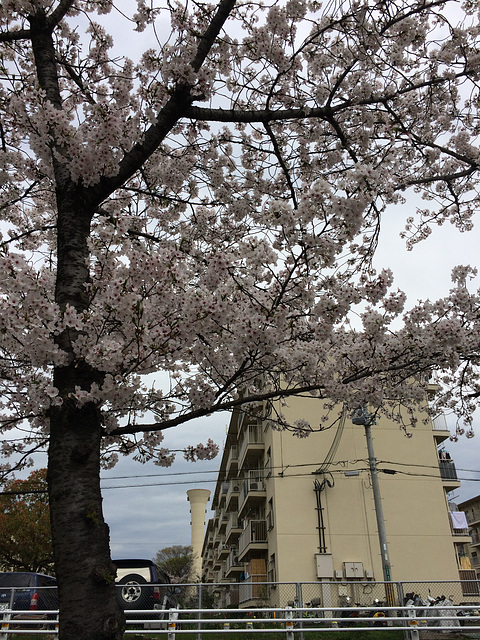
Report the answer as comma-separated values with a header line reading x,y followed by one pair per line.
x,y
24,591
142,586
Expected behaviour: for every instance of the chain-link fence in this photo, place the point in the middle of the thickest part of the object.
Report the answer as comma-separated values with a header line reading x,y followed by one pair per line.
x,y
255,592
430,607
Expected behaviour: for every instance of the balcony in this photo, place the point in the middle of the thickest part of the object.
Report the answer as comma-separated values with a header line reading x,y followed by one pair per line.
x,y
448,473
232,462
459,526
223,551
208,560
219,576
234,528
231,501
252,446
222,522
252,492
232,565
440,429
460,535
473,516
223,493
208,575
252,539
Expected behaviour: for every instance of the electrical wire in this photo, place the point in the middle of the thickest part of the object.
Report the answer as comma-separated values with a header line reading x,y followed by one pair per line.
x,y
276,476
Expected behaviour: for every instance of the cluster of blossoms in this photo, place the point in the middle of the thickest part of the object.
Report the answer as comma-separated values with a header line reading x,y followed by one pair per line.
x,y
201,451
232,259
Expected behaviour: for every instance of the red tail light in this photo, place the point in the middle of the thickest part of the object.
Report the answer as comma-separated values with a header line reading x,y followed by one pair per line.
x,y
156,593
34,602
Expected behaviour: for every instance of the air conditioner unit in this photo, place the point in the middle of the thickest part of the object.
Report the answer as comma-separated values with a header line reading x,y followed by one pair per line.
x,y
253,486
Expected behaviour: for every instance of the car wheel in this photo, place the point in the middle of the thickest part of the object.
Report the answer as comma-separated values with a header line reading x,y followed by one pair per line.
x,y
131,594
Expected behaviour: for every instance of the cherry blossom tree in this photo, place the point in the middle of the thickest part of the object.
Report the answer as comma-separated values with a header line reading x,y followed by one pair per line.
x,y
201,197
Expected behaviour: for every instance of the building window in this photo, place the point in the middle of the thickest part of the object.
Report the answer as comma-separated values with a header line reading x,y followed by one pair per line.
x,y
272,570
270,519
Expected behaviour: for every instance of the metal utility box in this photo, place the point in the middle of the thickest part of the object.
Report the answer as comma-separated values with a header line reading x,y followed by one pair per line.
x,y
324,565
353,569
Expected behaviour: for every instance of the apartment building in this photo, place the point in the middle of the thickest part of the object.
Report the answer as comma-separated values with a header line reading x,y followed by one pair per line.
x,y
471,550
302,509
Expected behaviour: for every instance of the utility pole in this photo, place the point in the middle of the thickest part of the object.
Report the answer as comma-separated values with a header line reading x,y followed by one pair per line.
x,y
362,417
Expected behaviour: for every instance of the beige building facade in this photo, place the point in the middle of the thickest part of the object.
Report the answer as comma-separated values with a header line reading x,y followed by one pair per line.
x,y
302,509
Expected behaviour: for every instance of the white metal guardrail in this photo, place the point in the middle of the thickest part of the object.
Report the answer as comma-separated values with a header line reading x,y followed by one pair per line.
x,y
291,623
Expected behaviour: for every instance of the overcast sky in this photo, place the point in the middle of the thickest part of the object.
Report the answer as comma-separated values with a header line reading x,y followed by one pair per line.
x,y
156,514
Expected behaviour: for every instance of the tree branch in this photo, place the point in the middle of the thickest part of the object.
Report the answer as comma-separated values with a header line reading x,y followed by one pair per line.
x,y
59,13
281,161
179,102
15,36
221,406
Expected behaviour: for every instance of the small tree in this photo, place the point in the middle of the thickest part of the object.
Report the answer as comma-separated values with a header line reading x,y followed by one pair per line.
x,y
175,561
25,536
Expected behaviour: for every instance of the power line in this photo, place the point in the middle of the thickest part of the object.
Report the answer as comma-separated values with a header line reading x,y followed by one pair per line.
x,y
277,476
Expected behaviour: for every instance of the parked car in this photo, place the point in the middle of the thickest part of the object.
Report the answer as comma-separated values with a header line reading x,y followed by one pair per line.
x,y
142,586
26,591
27,595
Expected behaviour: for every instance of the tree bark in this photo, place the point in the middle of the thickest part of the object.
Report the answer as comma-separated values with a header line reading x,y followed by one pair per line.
x,y
85,573
86,576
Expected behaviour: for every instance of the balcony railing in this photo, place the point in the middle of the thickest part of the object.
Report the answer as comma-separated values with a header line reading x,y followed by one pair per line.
x,y
440,422
234,526
473,516
252,483
253,436
232,561
233,491
232,462
224,488
447,470
255,533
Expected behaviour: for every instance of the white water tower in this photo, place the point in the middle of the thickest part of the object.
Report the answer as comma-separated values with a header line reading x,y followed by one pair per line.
x,y
198,499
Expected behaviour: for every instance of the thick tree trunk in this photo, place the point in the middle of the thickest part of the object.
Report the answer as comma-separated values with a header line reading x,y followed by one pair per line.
x,y
80,535
86,576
